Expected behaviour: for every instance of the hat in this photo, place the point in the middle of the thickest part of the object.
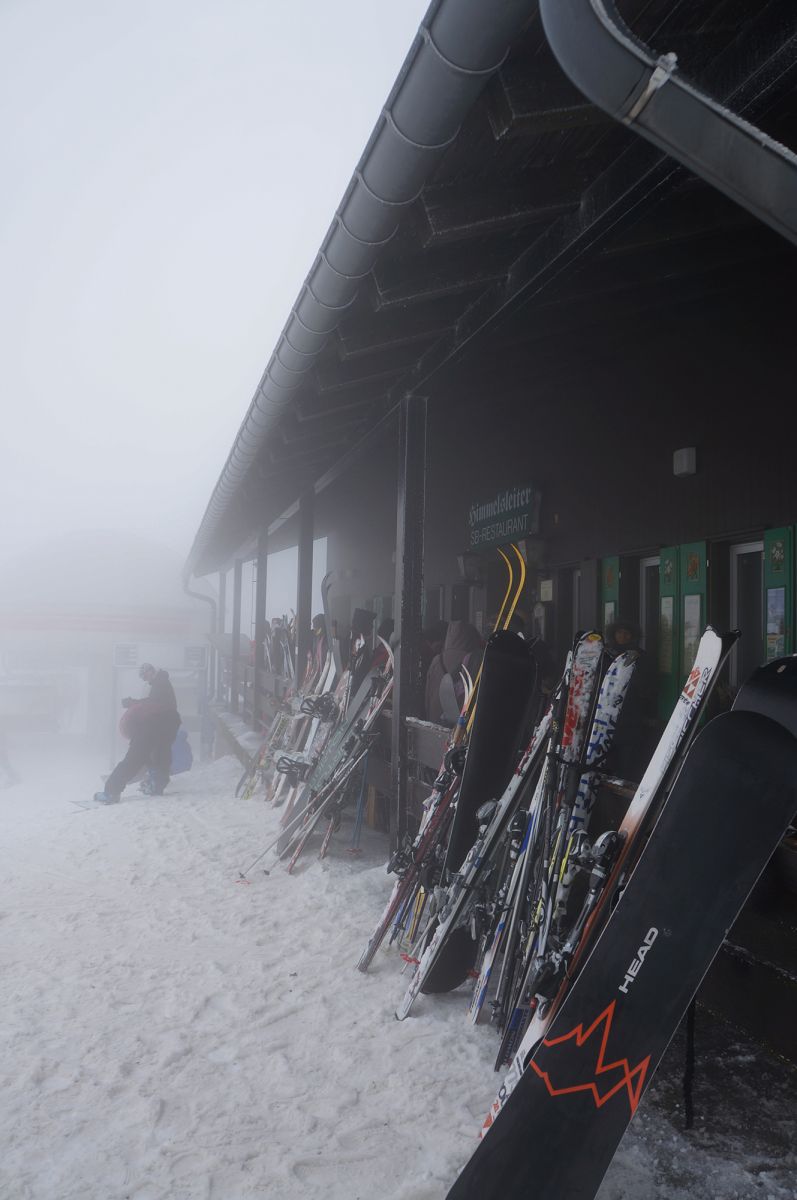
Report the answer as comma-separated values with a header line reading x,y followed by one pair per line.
x,y
145,669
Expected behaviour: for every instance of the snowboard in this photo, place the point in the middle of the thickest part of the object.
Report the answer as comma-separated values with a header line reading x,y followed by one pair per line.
x,y
508,694
735,795
447,959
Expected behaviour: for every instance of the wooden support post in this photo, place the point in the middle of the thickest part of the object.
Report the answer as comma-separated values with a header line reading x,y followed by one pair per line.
x,y
222,620
304,582
260,625
235,662
408,682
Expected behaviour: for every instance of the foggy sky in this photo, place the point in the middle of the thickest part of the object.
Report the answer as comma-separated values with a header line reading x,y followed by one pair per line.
x,y
169,170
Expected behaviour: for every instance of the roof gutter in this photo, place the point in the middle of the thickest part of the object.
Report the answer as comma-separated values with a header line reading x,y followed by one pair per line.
x,y
459,45
213,627
624,77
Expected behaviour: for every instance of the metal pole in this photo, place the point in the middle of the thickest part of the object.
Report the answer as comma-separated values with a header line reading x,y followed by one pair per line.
x,y
304,582
408,682
235,667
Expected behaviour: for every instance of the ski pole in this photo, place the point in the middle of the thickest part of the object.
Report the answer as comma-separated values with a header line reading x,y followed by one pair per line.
x,y
360,813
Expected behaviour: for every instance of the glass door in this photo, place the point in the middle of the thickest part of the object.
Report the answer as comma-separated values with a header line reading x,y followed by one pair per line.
x,y
747,609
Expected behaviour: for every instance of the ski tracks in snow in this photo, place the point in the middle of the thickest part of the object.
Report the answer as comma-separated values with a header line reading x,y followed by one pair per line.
x,y
174,1034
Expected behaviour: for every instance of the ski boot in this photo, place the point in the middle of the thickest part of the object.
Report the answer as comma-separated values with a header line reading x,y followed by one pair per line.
x,y
154,783
105,798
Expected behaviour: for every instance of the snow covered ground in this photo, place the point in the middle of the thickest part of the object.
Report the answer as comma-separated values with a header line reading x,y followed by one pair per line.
x,y
170,1033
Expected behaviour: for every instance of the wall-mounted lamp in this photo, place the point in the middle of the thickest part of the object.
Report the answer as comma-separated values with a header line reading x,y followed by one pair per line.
x,y
684,462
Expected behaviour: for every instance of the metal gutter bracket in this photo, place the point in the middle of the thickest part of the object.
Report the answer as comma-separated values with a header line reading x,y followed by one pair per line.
x,y
664,68
622,76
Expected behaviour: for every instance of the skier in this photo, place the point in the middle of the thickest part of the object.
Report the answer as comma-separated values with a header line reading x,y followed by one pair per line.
x,y
151,724
161,691
463,647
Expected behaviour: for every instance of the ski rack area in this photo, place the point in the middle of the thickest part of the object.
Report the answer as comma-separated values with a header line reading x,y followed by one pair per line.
x,y
543,899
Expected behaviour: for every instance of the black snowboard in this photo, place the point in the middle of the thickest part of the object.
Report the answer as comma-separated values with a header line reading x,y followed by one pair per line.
x,y
764,691
559,1129
507,698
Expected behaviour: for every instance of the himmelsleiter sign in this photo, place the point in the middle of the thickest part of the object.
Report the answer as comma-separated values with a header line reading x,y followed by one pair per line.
x,y
508,515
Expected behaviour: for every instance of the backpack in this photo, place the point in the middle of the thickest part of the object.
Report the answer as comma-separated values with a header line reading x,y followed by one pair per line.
x,y
182,755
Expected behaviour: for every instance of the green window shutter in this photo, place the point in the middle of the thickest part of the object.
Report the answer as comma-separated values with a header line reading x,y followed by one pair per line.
x,y
610,589
694,588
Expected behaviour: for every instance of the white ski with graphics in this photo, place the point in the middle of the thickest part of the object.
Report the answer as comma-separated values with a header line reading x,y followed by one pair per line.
x,y
648,798
583,673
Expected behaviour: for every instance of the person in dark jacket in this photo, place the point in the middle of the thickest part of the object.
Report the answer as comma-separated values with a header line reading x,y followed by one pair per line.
x,y
161,691
444,690
151,724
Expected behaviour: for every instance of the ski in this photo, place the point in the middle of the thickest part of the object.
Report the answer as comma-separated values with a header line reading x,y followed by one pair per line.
x,y
439,814
413,860
727,810
508,694
583,674
613,850
611,697
538,957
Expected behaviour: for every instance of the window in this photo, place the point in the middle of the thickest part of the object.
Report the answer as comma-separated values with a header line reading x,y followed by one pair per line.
x,y
747,609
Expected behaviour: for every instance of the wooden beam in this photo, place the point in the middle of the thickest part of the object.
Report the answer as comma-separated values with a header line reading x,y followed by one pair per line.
x,y
526,98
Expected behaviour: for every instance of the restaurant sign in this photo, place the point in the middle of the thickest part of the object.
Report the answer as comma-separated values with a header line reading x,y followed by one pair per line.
x,y
510,514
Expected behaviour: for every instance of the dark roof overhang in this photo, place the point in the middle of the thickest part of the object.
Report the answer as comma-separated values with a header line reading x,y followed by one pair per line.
x,y
444,235
645,91
459,45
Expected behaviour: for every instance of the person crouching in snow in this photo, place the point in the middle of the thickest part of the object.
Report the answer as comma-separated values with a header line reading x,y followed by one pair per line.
x,y
151,725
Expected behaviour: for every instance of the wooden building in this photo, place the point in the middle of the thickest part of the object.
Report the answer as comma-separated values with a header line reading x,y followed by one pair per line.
x,y
564,266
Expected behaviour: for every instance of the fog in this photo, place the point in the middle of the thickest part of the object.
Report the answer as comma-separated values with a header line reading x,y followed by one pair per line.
x,y
169,173
170,170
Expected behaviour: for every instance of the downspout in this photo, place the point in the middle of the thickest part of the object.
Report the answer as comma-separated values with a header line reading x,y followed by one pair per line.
x,y
621,75
213,624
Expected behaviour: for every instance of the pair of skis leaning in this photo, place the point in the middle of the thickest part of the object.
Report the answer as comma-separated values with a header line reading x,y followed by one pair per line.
x,y
504,683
